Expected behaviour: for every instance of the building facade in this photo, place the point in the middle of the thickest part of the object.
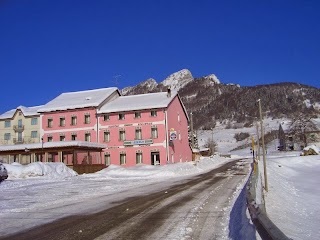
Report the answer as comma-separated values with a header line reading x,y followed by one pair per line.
x,y
20,126
147,129
73,116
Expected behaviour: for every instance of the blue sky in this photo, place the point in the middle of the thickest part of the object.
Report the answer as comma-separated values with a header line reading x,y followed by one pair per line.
x,y
48,47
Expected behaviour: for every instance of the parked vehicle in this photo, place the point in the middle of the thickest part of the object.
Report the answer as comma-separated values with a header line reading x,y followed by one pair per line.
x,y
3,172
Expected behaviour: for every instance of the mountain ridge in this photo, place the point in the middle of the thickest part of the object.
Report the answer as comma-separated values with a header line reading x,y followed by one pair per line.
x,y
210,100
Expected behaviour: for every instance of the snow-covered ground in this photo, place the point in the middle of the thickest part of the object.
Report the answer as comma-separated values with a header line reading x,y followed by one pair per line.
x,y
40,193
292,200
43,192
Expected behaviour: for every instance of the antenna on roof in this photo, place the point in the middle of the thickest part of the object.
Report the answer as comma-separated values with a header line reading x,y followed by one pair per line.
x,y
116,80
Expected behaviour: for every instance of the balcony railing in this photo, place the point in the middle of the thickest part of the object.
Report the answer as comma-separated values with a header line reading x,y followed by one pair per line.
x,y
18,128
18,140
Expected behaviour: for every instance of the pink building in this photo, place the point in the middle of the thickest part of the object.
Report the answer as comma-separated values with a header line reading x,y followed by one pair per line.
x,y
140,129
72,116
145,129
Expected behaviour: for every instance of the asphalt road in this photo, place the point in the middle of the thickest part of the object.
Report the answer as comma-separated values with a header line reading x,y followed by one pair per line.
x,y
193,209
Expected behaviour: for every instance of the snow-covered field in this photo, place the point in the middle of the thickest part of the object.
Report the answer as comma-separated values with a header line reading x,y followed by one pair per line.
x,y
40,193
292,201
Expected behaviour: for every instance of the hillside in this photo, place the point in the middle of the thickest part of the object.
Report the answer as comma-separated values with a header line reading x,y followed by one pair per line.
x,y
211,101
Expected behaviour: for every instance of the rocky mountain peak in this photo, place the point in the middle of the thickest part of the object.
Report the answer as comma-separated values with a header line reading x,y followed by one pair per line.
x,y
178,79
213,78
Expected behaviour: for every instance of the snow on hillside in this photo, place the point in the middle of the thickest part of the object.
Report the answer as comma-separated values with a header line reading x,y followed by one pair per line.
x,y
225,140
178,80
150,83
125,90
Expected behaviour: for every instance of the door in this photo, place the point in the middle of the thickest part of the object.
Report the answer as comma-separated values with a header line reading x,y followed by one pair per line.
x,y
155,158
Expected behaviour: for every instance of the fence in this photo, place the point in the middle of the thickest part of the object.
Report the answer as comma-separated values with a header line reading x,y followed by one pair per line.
x,y
87,168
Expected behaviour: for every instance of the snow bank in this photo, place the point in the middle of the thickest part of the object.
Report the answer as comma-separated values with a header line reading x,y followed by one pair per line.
x,y
292,202
170,170
37,169
313,147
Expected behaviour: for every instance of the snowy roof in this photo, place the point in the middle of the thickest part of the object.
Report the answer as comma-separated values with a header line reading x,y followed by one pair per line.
x,y
138,102
27,111
80,99
51,145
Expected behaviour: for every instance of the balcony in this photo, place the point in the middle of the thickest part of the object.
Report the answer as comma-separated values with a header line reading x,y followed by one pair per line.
x,y
18,128
18,140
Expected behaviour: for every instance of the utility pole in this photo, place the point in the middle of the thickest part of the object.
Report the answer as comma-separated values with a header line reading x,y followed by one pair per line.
x,y
263,148
191,129
258,142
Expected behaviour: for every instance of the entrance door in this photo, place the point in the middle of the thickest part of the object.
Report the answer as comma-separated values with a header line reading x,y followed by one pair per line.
x,y
155,158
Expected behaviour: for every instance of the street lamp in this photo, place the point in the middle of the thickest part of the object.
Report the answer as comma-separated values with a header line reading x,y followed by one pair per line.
x,y
41,148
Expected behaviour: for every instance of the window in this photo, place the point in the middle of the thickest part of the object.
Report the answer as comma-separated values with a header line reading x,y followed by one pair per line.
x,y
7,124
154,132
62,138
62,122
7,136
87,137
20,126
138,157
121,116
106,136
34,134
122,158
50,122
73,120
106,117
49,139
107,159
87,118
137,115
34,121
138,134
153,113
179,117
122,135
73,137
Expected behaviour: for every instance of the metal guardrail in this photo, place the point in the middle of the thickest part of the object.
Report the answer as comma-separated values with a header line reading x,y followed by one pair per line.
x,y
265,227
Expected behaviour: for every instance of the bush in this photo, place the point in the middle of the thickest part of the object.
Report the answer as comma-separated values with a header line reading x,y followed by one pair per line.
x,y
241,136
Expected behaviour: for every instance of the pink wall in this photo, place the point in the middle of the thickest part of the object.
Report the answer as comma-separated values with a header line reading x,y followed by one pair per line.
x,y
129,124
179,149
80,128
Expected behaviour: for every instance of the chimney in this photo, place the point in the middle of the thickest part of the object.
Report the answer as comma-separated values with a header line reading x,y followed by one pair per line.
x,y
169,92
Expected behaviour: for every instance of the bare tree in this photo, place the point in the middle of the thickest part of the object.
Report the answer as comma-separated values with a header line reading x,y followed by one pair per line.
x,y
212,145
